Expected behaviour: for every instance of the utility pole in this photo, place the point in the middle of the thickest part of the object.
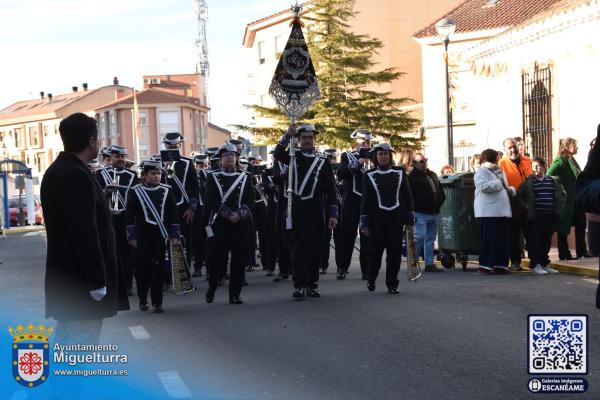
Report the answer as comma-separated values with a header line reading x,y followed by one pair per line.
x,y
202,65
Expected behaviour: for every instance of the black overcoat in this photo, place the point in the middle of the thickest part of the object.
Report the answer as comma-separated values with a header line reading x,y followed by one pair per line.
x,y
81,244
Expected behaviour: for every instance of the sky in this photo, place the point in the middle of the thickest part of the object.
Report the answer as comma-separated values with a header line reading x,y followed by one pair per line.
x,y
52,45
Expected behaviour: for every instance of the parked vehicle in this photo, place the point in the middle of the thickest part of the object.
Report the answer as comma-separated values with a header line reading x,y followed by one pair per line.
x,y
13,208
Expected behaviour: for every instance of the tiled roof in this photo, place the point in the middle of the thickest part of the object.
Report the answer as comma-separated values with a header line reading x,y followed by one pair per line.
x,y
286,11
218,128
41,106
153,96
481,15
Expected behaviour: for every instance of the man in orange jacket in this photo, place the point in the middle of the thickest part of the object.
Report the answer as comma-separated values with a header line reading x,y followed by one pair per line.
x,y
516,168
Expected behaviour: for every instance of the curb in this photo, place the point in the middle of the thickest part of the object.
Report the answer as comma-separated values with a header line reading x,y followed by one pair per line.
x,y
561,267
26,229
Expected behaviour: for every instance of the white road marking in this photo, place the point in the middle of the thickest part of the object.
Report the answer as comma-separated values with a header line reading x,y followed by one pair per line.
x,y
37,233
139,332
174,385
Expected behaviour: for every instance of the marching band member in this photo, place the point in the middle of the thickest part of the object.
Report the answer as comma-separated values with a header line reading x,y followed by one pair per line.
x,y
199,236
229,196
386,207
270,190
314,208
331,155
106,156
184,183
117,181
152,219
282,236
351,171
259,210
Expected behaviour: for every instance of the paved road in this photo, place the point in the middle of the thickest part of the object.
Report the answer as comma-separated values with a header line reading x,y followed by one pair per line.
x,y
453,335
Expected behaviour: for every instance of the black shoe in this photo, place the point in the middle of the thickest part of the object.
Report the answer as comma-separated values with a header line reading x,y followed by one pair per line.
x,y
371,286
364,277
235,300
250,268
210,294
313,292
433,268
341,275
567,258
245,283
280,278
323,271
144,307
393,291
299,293
157,309
269,273
586,255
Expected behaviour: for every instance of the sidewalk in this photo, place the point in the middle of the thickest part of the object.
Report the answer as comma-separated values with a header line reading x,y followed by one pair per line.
x,y
15,230
582,266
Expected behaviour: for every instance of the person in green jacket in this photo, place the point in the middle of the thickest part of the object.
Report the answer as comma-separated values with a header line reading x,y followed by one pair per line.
x,y
566,169
543,198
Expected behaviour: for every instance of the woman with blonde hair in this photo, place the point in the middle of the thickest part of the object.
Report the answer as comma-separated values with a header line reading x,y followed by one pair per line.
x,y
406,159
566,169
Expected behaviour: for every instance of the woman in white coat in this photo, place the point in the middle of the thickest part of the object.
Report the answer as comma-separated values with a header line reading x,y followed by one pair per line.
x,y
492,211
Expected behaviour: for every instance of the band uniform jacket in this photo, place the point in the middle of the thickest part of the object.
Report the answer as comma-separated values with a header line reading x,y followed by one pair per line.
x,y
184,183
386,197
142,219
127,179
81,253
241,199
351,174
313,183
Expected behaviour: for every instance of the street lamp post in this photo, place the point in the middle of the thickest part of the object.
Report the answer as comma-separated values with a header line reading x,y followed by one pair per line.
x,y
445,28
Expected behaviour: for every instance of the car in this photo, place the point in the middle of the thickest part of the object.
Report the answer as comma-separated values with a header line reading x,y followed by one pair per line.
x,y
13,207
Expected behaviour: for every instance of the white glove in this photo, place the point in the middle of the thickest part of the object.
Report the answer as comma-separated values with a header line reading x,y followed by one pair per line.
x,y
98,294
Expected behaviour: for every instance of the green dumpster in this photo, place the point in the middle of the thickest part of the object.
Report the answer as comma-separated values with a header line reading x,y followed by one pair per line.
x,y
458,231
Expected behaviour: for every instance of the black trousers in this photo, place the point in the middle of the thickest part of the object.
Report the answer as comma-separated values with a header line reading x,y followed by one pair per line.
x,y
539,237
594,237
283,241
124,261
231,239
385,235
259,216
308,231
580,246
350,218
327,246
518,227
496,241
149,275
198,248
186,231
270,259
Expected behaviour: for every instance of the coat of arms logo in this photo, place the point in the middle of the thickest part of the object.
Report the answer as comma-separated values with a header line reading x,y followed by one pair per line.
x,y
30,354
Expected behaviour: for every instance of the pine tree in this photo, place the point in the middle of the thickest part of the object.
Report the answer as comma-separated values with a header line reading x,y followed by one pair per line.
x,y
348,80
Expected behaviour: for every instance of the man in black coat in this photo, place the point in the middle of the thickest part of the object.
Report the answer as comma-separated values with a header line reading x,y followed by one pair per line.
x,y
428,198
82,277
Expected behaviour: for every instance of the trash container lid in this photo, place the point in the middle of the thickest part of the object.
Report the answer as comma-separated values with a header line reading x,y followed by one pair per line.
x,y
451,179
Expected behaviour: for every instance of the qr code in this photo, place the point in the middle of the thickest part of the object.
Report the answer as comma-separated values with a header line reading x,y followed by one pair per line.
x,y
558,344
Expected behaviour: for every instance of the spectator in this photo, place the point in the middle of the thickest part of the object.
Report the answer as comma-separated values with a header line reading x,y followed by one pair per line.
x,y
428,198
493,212
406,159
521,145
500,155
82,278
475,163
543,198
447,170
566,169
593,221
516,168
